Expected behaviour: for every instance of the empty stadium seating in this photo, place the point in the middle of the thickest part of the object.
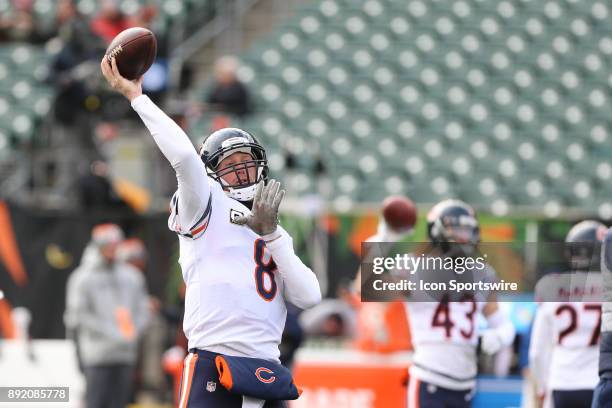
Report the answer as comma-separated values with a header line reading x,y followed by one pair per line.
x,y
26,98
496,102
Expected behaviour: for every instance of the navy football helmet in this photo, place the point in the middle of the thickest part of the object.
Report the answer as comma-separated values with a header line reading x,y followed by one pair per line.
x,y
583,245
222,144
453,223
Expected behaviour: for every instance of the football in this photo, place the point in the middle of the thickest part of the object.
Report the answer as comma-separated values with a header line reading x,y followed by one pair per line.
x,y
399,212
134,50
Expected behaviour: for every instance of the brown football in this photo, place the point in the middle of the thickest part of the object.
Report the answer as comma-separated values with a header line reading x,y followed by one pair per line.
x,y
135,50
399,212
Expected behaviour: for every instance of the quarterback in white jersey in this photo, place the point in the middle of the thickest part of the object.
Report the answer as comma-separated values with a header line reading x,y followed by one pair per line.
x,y
239,266
564,348
445,333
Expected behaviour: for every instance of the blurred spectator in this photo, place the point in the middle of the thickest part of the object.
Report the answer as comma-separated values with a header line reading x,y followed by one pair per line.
x,y
219,122
20,24
106,307
95,190
73,65
228,94
330,318
133,252
144,17
110,21
383,327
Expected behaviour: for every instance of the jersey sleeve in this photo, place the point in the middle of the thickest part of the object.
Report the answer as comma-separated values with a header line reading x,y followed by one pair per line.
x,y
196,228
194,190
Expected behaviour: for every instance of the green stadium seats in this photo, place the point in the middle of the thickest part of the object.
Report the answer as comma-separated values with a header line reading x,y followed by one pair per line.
x,y
495,102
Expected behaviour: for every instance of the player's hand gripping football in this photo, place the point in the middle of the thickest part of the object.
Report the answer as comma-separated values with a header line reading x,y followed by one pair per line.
x,y
127,88
264,214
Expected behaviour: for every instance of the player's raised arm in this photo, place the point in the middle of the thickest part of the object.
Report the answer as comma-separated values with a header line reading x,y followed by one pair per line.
x,y
171,140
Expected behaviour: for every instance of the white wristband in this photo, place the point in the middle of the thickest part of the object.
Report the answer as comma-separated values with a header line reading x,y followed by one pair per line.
x,y
273,236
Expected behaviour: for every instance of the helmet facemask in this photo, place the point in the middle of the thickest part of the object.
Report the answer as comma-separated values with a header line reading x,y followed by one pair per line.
x,y
583,245
243,189
584,256
457,237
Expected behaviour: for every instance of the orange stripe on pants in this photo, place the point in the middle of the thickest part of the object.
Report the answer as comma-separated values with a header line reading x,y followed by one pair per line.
x,y
9,250
413,392
188,371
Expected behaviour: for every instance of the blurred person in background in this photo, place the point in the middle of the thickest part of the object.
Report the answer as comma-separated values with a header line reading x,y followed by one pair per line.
x,y
382,326
95,190
333,317
71,67
228,95
109,21
20,24
564,347
133,252
107,310
144,17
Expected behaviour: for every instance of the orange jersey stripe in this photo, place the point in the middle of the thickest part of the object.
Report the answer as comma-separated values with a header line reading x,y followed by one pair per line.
x,y
200,228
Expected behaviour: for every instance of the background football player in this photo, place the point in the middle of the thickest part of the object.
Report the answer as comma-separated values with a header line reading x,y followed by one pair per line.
x,y
602,397
383,326
445,333
564,345
239,266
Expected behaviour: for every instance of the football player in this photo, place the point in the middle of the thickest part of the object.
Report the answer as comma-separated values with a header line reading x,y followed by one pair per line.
x,y
238,264
564,345
382,326
602,397
445,333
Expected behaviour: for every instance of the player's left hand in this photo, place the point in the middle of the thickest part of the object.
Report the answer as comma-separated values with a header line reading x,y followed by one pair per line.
x,y
264,214
490,343
127,88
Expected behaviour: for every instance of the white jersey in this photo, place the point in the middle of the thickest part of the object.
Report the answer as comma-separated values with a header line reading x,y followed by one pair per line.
x,y
234,303
564,350
445,338
235,290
